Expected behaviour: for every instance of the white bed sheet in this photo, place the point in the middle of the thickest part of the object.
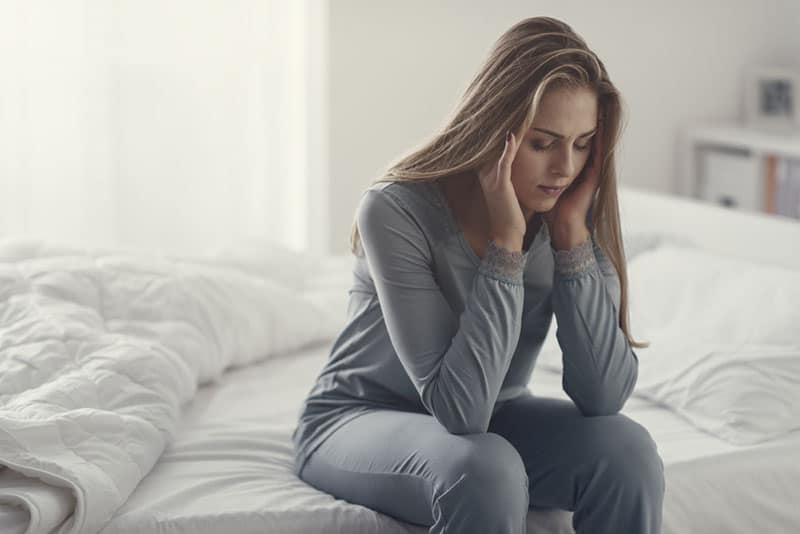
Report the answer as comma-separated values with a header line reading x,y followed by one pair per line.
x,y
229,469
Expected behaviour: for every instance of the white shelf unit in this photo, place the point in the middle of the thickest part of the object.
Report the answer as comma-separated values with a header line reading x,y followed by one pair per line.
x,y
727,161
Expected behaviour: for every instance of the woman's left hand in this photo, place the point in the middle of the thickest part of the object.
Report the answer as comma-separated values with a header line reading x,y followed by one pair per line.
x,y
573,205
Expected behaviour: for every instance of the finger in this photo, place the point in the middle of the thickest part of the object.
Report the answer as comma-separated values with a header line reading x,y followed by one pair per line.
x,y
518,136
502,166
508,147
495,172
509,152
513,148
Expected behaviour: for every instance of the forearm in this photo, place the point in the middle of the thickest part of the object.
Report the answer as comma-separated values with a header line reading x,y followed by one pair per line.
x,y
600,368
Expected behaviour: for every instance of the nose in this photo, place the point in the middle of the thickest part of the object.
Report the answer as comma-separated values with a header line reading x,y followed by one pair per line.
x,y
563,163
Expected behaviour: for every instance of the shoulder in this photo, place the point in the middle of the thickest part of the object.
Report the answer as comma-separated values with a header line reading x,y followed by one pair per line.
x,y
417,193
416,202
401,217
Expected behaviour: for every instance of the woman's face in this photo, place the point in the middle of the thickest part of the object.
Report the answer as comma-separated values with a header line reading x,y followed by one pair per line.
x,y
555,149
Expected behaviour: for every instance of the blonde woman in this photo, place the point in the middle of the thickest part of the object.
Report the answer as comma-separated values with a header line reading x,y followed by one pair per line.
x,y
466,249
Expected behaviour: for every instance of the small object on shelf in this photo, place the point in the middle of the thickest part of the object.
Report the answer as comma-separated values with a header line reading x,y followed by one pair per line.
x,y
772,99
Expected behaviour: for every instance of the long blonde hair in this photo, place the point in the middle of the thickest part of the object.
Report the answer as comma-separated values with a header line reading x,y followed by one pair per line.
x,y
535,55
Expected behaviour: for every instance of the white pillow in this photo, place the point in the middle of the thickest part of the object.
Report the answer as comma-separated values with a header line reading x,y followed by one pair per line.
x,y
23,247
637,242
265,258
711,297
254,255
725,341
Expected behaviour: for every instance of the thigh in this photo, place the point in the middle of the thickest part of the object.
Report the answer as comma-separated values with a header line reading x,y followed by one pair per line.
x,y
399,463
562,449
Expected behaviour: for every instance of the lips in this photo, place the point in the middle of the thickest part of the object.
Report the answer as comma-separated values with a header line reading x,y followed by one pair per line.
x,y
552,191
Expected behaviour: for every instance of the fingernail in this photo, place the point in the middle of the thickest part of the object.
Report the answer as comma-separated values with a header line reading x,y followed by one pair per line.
x,y
508,135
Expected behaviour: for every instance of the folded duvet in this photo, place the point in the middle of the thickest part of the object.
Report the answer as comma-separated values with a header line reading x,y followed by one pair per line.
x,y
98,353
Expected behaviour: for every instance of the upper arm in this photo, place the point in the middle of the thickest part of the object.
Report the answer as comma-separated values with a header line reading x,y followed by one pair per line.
x,y
419,320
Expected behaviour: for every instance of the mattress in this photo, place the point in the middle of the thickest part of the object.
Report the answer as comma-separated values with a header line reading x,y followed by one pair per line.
x,y
229,469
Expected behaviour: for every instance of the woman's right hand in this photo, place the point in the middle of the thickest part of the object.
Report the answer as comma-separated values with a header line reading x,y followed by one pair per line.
x,y
505,214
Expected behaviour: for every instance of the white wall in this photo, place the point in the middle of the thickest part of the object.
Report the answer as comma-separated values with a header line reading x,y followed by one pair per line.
x,y
170,127
397,70
200,88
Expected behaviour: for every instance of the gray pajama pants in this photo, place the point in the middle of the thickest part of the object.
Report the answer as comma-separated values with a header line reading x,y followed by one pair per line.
x,y
539,452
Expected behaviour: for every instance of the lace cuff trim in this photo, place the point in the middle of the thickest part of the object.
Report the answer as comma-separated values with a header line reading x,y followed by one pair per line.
x,y
575,261
503,263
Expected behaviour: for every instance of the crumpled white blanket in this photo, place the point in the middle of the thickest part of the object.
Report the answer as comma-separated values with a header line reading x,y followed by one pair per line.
x,y
98,352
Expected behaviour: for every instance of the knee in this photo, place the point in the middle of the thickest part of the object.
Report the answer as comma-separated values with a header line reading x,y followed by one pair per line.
x,y
490,476
628,455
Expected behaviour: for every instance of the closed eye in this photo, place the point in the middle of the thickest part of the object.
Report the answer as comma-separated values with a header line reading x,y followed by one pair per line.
x,y
541,148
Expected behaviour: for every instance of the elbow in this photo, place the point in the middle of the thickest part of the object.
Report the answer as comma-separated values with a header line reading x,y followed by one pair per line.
x,y
595,395
459,409
598,399
458,417
461,420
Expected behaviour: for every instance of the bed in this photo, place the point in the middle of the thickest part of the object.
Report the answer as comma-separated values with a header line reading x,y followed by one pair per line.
x,y
201,443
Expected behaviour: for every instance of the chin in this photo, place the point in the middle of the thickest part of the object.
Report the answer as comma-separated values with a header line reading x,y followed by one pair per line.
x,y
537,202
543,204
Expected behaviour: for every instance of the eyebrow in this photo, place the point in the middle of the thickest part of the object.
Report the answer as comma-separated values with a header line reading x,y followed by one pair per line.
x,y
559,136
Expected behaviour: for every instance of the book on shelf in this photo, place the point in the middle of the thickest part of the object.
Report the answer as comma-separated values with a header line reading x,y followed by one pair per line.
x,y
782,186
794,189
770,184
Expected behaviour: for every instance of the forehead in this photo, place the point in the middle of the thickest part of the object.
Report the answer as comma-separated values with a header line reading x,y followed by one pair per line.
x,y
570,112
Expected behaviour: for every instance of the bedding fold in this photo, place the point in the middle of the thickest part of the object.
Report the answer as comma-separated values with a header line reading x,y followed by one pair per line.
x,y
98,353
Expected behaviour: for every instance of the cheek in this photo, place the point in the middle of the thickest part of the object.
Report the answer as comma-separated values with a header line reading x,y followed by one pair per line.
x,y
528,165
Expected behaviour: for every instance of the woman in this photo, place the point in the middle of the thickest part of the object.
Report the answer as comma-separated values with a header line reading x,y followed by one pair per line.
x,y
466,249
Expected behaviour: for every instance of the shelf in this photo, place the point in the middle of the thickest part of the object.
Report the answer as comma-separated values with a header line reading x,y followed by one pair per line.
x,y
741,167
742,137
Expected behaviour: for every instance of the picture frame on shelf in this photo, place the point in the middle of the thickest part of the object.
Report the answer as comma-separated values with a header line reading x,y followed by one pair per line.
x,y
772,99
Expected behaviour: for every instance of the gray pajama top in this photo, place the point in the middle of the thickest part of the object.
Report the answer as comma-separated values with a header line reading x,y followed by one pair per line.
x,y
433,328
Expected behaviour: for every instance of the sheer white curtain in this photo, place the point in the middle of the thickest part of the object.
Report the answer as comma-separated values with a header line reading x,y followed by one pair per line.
x,y
167,127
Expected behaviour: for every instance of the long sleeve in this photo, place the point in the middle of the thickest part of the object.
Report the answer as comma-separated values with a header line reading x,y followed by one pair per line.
x,y
600,366
457,364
